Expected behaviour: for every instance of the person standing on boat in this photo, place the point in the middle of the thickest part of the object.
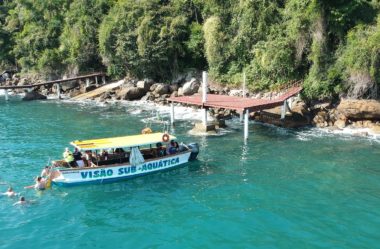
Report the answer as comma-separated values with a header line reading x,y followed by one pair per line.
x,y
69,158
78,158
45,172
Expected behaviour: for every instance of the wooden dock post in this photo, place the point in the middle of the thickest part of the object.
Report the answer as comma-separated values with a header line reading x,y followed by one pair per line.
x,y
283,110
6,94
87,82
172,113
104,79
58,87
204,97
244,83
96,81
246,119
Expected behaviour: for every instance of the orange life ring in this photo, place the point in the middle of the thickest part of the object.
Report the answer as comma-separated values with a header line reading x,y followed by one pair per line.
x,y
165,138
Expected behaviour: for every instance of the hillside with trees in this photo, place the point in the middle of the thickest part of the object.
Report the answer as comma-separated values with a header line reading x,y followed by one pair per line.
x,y
333,46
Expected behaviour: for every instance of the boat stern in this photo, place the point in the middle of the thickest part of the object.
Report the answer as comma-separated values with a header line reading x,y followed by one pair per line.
x,y
194,147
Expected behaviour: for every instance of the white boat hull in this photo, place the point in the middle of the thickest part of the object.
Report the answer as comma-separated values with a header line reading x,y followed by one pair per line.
x,y
112,173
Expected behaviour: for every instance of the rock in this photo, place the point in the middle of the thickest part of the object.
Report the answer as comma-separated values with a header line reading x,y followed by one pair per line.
x,y
153,87
162,89
360,109
320,120
235,92
89,88
16,77
143,85
340,123
148,97
23,82
74,93
173,87
376,129
368,124
180,91
174,94
33,96
190,87
69,85
131,93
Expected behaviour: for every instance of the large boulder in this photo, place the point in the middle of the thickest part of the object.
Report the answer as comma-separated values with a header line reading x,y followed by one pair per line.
x,y
321,119
89,88
340,123
376,129
23,82
131,93
190,87
33,96
162,89
143,84
360,109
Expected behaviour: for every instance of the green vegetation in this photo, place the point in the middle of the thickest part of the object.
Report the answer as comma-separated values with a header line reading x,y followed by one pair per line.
x,y
333,46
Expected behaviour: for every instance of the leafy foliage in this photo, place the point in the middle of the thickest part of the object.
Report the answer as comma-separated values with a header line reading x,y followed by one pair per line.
x,y
332,45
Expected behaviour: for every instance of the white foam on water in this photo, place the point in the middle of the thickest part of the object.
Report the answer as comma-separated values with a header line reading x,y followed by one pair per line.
x,y
163,111
346,134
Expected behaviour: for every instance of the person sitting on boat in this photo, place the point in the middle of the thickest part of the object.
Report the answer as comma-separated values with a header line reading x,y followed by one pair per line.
x,y
69,158
88,157
39,185
160,150
104,155
171,149
120,152
9,193
45,172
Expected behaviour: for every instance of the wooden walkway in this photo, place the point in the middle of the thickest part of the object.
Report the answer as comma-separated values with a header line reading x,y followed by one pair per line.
x,y
97,92
236,103
57,81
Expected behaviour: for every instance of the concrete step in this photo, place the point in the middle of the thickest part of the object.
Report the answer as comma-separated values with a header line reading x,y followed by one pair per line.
x,y
98,91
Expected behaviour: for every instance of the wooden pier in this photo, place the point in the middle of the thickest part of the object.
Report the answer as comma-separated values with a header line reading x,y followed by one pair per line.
x,y
59,82
240,104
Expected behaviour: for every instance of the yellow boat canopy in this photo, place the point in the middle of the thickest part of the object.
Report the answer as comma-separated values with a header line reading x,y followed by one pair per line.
x,y
120,142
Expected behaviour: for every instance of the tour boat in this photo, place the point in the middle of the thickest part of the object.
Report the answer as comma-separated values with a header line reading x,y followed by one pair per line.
x,y
119,158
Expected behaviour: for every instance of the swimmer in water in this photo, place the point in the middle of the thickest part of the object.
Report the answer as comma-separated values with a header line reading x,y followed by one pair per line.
x,y
22,201
10,192
39,185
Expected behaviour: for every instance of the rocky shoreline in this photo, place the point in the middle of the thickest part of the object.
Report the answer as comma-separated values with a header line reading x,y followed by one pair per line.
x,y
346,113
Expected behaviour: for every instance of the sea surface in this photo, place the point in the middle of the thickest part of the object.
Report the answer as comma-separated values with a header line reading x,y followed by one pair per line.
x,y
282,189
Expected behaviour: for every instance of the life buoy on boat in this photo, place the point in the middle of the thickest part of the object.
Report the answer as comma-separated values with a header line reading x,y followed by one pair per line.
x,y
165,138
146,130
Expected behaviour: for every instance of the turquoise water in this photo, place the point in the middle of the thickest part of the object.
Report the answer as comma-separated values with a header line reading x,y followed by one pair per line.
x,y
283,189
